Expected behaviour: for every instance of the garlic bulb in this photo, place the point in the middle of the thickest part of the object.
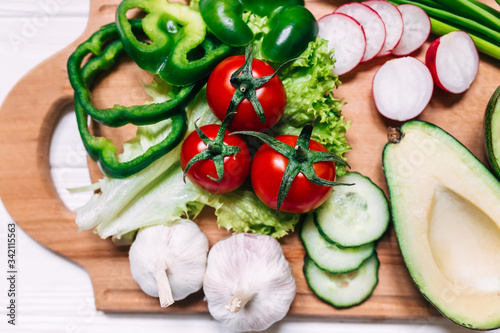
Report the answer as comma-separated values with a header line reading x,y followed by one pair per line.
x,y
169,262
248,283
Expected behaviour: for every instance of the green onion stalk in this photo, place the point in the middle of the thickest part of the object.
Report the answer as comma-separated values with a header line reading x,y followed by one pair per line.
x,y
479,20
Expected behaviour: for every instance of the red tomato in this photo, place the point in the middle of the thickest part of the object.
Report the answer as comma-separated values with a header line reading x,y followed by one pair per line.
x,y
268,167
272,95
236,168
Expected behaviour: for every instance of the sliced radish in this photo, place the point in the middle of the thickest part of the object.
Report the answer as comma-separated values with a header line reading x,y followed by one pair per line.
x,y
453,61
402,88
393,21
345,35
417,27
372,24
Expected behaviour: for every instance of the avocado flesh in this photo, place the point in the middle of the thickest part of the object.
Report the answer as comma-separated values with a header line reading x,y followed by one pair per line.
x,y
446,213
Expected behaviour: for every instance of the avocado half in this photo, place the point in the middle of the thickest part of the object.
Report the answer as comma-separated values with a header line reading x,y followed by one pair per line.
x,y
446,213
492,131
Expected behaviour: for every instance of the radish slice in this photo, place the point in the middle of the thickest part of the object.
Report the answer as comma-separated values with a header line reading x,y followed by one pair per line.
x,y
393,21
453,61
417,27
345,35
402,88
372,24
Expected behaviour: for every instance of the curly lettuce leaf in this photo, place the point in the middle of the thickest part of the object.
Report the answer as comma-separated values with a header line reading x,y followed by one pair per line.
x,y
241,211
157,194
309,85
164,200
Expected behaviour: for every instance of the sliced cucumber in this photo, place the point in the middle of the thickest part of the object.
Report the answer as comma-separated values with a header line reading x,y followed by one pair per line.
x,y
354,215
343,290
327,255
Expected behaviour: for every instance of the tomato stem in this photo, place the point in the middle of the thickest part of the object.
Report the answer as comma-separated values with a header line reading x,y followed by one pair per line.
x,y
243,87
300,154
300,159
246,85
216,149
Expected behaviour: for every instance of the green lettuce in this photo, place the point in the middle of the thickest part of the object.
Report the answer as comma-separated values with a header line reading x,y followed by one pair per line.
x,y
158,195
155,195
242,211
309,85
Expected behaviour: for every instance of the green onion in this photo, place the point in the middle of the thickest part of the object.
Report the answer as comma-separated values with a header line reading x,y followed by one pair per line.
x,y
431,3
440,28
443,21
468,24
486,8
468,9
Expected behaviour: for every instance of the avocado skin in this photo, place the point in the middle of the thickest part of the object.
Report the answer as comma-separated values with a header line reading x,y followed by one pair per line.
x,y
492,107
392,197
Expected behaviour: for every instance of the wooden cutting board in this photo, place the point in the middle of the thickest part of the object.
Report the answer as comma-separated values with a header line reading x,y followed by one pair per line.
x,y
34,107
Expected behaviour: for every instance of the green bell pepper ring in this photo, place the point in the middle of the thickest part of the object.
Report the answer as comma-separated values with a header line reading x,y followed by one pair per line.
x,y
291,25
120,115
180,50
104,150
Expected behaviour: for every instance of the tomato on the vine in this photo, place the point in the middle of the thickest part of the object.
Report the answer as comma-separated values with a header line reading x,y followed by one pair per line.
x,y
268,168
271,95
236,166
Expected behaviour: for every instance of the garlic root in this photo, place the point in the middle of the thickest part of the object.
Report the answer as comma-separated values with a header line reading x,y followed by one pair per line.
x,y
164,290
169,261
239,301
248,283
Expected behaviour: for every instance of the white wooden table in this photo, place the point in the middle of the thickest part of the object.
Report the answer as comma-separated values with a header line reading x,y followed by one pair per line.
x,y
53,294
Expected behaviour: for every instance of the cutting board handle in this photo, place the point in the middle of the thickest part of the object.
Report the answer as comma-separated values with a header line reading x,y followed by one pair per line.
x,y
101,12
28,117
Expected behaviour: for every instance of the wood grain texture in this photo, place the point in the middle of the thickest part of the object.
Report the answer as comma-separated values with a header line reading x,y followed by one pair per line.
x,y
30,112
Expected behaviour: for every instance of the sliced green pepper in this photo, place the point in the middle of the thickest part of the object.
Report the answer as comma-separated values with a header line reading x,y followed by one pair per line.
x,y
178,49
292,28
104,150
224,18
291,25
120,115
263,8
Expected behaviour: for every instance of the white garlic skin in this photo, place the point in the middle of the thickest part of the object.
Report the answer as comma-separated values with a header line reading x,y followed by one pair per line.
x,y
180,249
252,266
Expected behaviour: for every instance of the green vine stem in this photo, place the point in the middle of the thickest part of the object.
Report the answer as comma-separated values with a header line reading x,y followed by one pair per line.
x,y
216,149
246,85
300,159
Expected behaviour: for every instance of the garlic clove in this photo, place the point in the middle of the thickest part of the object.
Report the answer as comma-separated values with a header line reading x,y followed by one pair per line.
x,y
169,262
248,283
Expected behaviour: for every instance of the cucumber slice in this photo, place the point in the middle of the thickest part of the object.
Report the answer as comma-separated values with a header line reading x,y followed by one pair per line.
x,y
328,256
343,290
354,215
